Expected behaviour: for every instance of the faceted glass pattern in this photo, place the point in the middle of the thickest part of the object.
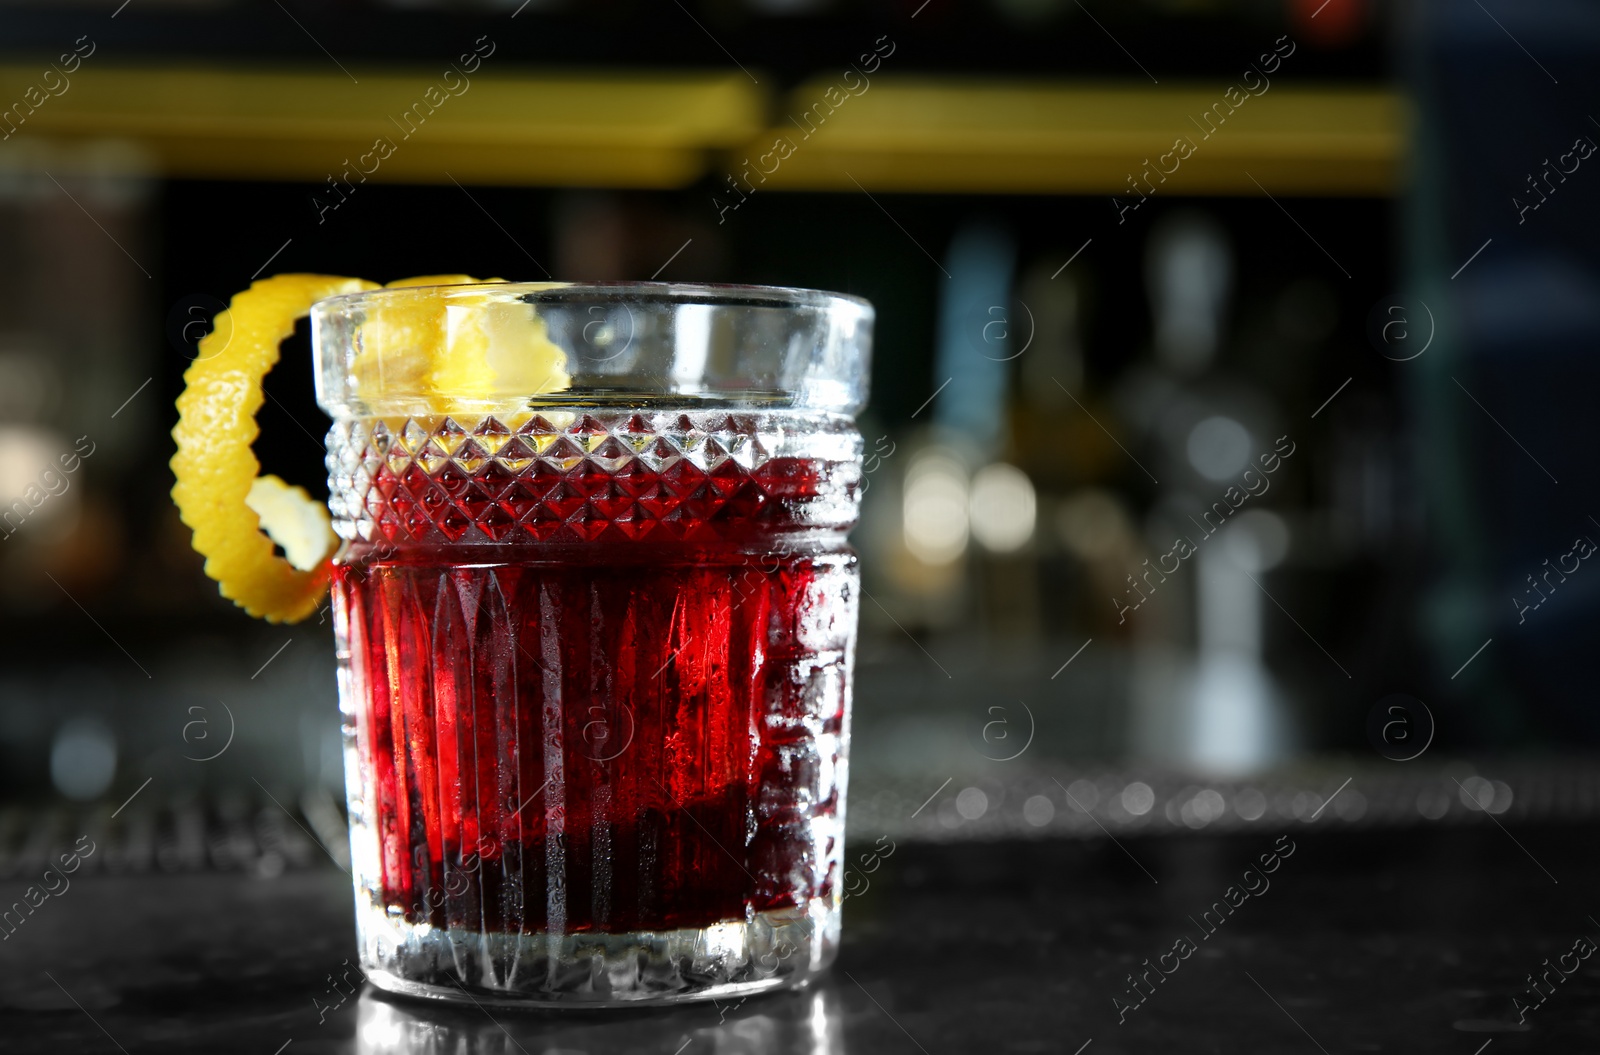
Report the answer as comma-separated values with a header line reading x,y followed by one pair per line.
x,y
582,476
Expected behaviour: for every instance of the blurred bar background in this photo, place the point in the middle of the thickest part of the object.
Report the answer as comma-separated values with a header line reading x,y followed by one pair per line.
x,y
1113,312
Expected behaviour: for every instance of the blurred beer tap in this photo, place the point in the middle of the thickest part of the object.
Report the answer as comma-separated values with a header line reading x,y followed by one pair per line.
x,y
1208,530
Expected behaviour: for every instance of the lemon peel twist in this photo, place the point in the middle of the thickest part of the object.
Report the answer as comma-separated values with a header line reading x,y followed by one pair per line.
x,y
468,346
216,470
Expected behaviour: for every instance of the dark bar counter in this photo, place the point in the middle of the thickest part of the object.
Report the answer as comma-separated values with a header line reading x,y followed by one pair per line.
x,y
1429,939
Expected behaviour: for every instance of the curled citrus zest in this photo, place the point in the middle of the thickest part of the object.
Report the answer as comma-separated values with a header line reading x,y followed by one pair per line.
x,y
463,347
216,469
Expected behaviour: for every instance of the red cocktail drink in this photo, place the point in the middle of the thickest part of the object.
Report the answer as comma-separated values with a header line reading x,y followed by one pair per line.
x,y
637,732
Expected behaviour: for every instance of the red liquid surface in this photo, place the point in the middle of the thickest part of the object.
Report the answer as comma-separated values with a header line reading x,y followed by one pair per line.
x,y
638,732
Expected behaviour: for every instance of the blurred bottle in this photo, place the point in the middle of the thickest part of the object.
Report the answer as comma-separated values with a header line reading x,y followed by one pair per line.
x,y
1203,697
71,355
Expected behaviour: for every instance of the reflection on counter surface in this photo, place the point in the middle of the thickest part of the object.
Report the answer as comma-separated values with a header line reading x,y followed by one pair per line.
x,y
807,1022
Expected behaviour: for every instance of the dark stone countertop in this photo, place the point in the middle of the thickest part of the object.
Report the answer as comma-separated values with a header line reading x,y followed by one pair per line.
x,y
1365,941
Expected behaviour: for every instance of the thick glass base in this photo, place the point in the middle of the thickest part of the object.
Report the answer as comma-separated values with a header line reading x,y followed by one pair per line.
x,y
769,950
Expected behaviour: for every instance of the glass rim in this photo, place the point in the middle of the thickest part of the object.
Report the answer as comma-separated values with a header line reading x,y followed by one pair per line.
x,y
700,343
711,294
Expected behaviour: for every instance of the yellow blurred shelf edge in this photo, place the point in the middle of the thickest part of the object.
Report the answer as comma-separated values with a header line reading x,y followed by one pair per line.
x,y
1022,137
552,129
668,130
